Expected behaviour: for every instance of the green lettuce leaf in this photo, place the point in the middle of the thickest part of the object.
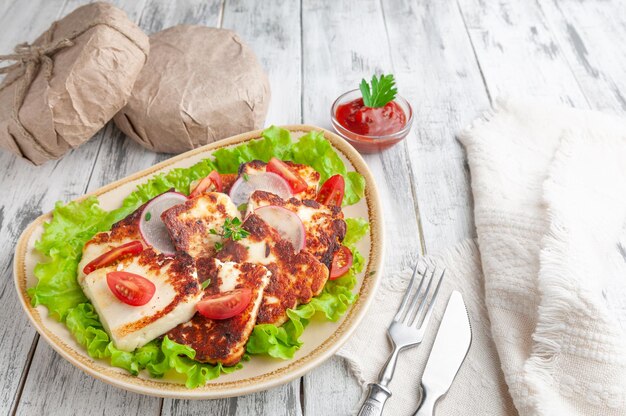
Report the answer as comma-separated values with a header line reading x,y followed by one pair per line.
x,y
275,142
158,357
75,223
314,150
283,341
311,149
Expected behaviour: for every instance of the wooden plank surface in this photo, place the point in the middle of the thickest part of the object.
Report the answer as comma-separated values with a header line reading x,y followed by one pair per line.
x,y
430,47
586,36
518,53
449,60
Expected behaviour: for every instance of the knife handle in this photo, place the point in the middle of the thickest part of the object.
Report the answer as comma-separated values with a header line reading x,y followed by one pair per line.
x,y
373,405
427,405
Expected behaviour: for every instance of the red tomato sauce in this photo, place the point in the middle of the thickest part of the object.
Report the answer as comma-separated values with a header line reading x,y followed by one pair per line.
x,y
367,121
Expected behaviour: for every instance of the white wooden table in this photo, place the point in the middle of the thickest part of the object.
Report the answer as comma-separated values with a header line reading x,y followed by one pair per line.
x,y
450,58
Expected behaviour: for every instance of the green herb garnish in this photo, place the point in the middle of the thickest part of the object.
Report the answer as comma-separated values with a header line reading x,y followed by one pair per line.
x,y
148,216
206,284
243,207
231,229
382,91
219,246
234,230
246,177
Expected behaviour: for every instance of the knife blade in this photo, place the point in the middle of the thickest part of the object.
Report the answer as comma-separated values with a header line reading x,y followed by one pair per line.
x,y
452,343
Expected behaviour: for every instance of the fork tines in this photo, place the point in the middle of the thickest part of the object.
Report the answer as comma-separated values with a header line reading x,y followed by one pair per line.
x,y
414,315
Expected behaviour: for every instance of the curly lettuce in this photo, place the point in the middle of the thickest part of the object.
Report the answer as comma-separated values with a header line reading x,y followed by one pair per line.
x,y
73,224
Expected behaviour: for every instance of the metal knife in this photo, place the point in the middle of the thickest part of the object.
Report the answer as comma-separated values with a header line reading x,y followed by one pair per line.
x,y
449,350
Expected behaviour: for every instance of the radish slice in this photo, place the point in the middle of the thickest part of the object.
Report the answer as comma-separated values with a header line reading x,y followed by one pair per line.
x,y
270,182
286,222
151,227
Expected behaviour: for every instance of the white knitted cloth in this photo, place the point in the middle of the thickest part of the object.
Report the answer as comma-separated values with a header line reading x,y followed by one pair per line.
x,y
550,208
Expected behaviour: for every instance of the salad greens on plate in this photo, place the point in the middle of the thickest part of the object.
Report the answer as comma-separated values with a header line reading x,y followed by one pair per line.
x,y
73,224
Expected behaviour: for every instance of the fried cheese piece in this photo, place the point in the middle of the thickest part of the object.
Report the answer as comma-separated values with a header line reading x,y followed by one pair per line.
x,y
189,224
296,277
174,301
324,225
310,175
224,340
122,232
175,278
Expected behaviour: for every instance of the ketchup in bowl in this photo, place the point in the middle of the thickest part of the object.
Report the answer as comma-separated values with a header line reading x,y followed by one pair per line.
x,y
368,121
374,117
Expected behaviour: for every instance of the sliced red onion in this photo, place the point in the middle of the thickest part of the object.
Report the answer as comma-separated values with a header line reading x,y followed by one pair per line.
x,y
267,181
286,222
151,227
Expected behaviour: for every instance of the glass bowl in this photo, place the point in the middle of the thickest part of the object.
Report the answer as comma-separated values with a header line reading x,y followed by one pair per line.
x,y
370,144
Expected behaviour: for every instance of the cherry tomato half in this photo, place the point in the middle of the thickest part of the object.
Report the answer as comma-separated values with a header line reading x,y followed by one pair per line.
x,y
212,182
133,248
296,183
331,193
225,305
131,288
342,261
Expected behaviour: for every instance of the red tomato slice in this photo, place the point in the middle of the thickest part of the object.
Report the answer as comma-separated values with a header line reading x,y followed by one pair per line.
x,y
342,261
331,193
225,305
296,183
130,288
213,182
133,248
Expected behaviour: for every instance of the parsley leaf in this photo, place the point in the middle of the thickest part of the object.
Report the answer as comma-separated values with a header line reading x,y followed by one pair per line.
x,y
232,229
382,91
148,216
205,284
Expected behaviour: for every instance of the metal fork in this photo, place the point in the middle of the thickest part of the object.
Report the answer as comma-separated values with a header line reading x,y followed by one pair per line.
x,y
406,330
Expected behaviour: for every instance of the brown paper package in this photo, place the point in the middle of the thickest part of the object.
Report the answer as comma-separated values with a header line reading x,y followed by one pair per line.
x,y
90,80
199,85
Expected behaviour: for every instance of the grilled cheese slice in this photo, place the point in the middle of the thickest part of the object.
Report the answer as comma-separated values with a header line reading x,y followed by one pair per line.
x,y
122,232
307,173
324,225
174,301
224,340
296,277
189,224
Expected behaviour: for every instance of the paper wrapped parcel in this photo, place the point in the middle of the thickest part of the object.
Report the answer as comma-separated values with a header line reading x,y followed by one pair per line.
x,y
199,85
72,80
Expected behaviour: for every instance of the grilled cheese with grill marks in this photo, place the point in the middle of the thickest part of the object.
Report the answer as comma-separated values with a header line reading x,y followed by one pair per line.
x,y
190,224
224,340
324,225
174,301
175,279
296,277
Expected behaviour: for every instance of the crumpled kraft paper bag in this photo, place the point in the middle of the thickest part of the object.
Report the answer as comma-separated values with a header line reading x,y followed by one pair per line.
x,y
199,85
90,81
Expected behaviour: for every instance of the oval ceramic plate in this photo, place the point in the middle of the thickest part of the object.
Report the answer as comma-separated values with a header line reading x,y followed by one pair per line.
x,y
321,338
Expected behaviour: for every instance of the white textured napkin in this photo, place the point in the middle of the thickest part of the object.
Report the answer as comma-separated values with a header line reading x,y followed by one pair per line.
x,y
549,186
